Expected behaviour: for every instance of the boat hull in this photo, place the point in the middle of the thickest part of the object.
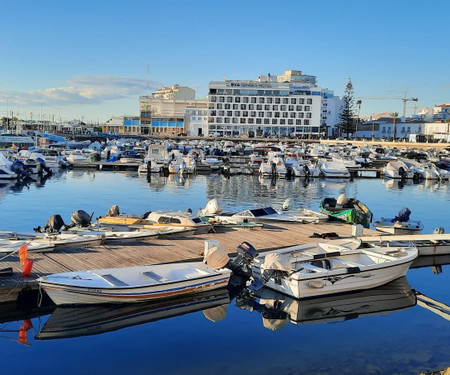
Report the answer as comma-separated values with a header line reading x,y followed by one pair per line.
x,y
61,290
335,283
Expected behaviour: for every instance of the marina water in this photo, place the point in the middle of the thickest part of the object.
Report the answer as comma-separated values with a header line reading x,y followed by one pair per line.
x,y
238,338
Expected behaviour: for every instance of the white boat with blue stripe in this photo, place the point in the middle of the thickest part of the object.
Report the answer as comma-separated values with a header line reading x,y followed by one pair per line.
x,y
132,284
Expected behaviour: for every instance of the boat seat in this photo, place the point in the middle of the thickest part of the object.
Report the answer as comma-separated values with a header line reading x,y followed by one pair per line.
x,y
311,267
340,263
155,276
114,280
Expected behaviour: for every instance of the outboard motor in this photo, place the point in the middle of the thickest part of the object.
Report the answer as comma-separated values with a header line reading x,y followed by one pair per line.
x,y
18,168
403,215
80,218
306,170
54,224
241,265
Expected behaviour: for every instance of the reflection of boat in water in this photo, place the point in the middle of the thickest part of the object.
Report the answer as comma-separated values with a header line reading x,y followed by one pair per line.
x,y
66,322
278,309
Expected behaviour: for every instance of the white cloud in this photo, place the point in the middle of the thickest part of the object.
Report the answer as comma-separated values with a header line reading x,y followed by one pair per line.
x,y
83,90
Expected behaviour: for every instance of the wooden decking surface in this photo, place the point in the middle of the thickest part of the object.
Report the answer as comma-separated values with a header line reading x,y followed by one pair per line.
x,y
160,250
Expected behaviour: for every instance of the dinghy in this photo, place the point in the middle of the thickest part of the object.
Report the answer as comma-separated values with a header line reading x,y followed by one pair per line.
x,y
132,284
400,224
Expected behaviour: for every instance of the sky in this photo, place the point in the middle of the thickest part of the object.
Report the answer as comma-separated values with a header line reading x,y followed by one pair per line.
x,y
92,59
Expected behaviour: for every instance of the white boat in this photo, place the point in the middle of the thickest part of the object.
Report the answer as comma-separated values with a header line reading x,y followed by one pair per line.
x,y
48,241
400,224
5,168
331,267
264,214
334,169
397,169
76,321
132,284
304,168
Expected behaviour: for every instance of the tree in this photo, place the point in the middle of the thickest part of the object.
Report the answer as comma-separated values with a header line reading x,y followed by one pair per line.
x,y
347,115
394,116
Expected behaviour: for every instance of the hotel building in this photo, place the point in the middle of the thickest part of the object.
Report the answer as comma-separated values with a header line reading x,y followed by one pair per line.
x,y
287,105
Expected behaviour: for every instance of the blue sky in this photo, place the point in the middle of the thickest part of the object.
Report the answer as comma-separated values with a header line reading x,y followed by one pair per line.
x,y
92,59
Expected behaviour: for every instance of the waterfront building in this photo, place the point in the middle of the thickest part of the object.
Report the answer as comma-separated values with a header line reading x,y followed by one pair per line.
x,y
197,120
164,111
382,126
277,106
123,125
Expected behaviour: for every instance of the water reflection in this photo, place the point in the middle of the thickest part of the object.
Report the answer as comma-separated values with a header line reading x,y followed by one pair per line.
x,y
67,322
277,309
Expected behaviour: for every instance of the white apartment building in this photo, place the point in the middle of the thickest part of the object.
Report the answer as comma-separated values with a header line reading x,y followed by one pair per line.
x,y
197,120
287,105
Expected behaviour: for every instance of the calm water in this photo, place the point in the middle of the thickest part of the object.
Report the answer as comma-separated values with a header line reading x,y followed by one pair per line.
x,y
368,335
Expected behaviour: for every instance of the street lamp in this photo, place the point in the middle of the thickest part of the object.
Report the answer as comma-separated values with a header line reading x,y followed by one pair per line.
x,y
358,103
7,109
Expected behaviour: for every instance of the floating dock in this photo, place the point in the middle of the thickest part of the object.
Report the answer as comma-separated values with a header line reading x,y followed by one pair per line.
x,y
162,250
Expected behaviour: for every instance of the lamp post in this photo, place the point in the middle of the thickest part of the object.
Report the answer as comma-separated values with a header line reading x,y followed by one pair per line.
x,y
358,103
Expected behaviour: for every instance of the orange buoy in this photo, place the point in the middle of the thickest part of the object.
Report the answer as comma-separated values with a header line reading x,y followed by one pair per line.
x,y
27,268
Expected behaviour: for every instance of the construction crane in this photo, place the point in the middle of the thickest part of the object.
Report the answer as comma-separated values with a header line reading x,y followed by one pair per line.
x,y
404,100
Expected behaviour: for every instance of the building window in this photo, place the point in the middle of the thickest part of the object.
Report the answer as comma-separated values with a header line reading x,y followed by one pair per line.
x,y
235,106
260,100
277,114
301,115
266,121
252,114
306,122
277,100
221,99
250,121
285,100
235,120
290,122
307,108
282,122
260,114
245,114
301,101
259,107
268,114
258,121
293,101
285,115
274,121
298,122
269,100
245,99
237,113
237,99
219,106
252,100
229,99
251,107
243,106
213,99
308,115
308,101
299,108
267,107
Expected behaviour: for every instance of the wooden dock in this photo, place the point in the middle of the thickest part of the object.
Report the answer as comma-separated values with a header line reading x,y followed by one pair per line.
x,y
161,250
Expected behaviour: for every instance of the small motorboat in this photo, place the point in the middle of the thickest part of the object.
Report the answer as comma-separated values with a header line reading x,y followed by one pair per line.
x,y
157,219
400,224
132,284
332,267
334,169
349,210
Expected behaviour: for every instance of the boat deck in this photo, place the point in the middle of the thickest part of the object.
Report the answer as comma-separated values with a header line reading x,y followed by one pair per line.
x,y
161,250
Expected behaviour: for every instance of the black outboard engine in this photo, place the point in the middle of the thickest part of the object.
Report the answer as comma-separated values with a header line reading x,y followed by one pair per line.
x,y
403,215
54,224
18,168
306,170
80,218
241,265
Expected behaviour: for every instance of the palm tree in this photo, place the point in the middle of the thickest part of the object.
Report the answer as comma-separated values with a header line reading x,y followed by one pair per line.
x,y
394,116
